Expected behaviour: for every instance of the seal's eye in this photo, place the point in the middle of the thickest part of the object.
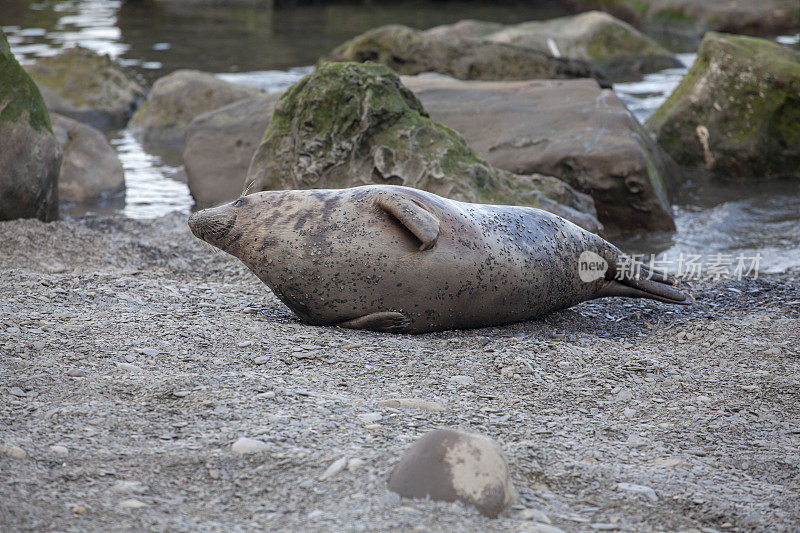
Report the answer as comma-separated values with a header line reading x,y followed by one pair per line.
x,y
239,202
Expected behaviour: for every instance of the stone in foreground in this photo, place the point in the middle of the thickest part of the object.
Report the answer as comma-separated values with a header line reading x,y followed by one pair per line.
x,y
88,87
356,124
30,157
176,99
570,129
90,170
737,111
450,465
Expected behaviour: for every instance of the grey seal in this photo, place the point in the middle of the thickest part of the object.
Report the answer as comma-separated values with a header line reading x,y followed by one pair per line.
x,y
396,259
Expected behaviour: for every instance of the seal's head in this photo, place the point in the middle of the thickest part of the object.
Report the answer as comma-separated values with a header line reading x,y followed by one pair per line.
x,y
221,226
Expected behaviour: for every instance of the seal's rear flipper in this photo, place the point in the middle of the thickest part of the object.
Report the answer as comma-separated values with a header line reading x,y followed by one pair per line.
x,y
386,321
420,222
646,288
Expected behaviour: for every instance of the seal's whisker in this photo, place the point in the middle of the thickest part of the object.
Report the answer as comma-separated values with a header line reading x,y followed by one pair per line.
x,y
248,188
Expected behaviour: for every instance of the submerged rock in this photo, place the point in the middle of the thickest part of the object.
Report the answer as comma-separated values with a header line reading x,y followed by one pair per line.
x,y
449,465
220,145
29,154
88,87
409,51
90,169
737,110
176,99
570,129
355,124
609,44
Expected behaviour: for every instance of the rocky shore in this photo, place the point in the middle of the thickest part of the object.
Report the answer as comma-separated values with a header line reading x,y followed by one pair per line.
x,y
134,358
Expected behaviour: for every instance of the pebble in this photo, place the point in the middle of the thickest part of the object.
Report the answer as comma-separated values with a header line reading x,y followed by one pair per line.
x,y
59,450
75,373
245,445
16,452
750,388
128,487
541,528
181,393
703,399
604,526
534,514
129,367
335,467
372,427
629,412
639,489
417,403
624,395
79,509
245,344
261,359
369,418
355,463
250,310
39,345
132,504
463,381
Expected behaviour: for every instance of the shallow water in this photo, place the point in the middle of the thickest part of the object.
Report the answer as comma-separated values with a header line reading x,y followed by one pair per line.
x,y
272,49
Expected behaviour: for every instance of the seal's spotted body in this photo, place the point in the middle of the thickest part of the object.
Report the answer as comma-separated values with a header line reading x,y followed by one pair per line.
x,y
391,258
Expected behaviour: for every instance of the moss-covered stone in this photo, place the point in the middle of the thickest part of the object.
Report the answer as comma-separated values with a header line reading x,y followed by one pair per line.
x,y
88,87
745,92
458,54
354,124
29,154
19,93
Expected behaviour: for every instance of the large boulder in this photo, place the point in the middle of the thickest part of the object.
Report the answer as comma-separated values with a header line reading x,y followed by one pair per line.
x,y
450,465
612,46
29,154
176,99
737,111
458,54
90,170
220,145
354,124
88,87
694,17
570,129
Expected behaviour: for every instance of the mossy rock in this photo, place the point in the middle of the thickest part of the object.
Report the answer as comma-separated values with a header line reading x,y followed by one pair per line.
x,y
409,51
354,124
87,87
30,157
745,93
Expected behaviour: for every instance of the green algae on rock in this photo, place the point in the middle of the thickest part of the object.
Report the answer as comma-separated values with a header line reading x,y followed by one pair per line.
x,y
29,154
458,54
87,87
354,124
737,110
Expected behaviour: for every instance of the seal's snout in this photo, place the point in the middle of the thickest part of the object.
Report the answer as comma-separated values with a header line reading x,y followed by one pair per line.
x,y
212,225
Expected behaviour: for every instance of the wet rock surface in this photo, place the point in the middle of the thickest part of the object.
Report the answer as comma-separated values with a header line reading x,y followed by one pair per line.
x,y
570,129
90,169
697,404
30,157
176,99
88,87
736,112
348,125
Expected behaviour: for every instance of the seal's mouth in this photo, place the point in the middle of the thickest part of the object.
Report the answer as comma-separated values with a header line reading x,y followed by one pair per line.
x,y
211,225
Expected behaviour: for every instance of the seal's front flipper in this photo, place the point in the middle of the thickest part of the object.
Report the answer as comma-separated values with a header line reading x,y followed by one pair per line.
x,y
419,221
386,321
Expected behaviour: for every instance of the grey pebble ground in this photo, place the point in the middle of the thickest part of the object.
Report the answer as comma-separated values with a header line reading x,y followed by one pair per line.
x,y
132,359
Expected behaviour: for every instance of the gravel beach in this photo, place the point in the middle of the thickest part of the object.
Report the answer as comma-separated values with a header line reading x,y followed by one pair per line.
x,y
132,358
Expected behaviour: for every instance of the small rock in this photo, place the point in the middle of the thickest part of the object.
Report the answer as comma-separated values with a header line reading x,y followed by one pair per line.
x,y
76,373
79,509
629,412
703,399
261,359
534,514
449,465
369,418
372,427
245,445
417,403
355,463
335,467
541,528
129,487
250,310
129,367
463,381
181,393
59,450
16,391
639,489
132,504
604,526
750,388
244,344
625,395
39,345
15,451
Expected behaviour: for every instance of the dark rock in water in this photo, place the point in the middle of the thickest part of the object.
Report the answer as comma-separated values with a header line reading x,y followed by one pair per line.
x,y
570,129
409,51
88,87
356,124
691,17
449,465
220,145
29,154
176,99
90,170
737,111
610,45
